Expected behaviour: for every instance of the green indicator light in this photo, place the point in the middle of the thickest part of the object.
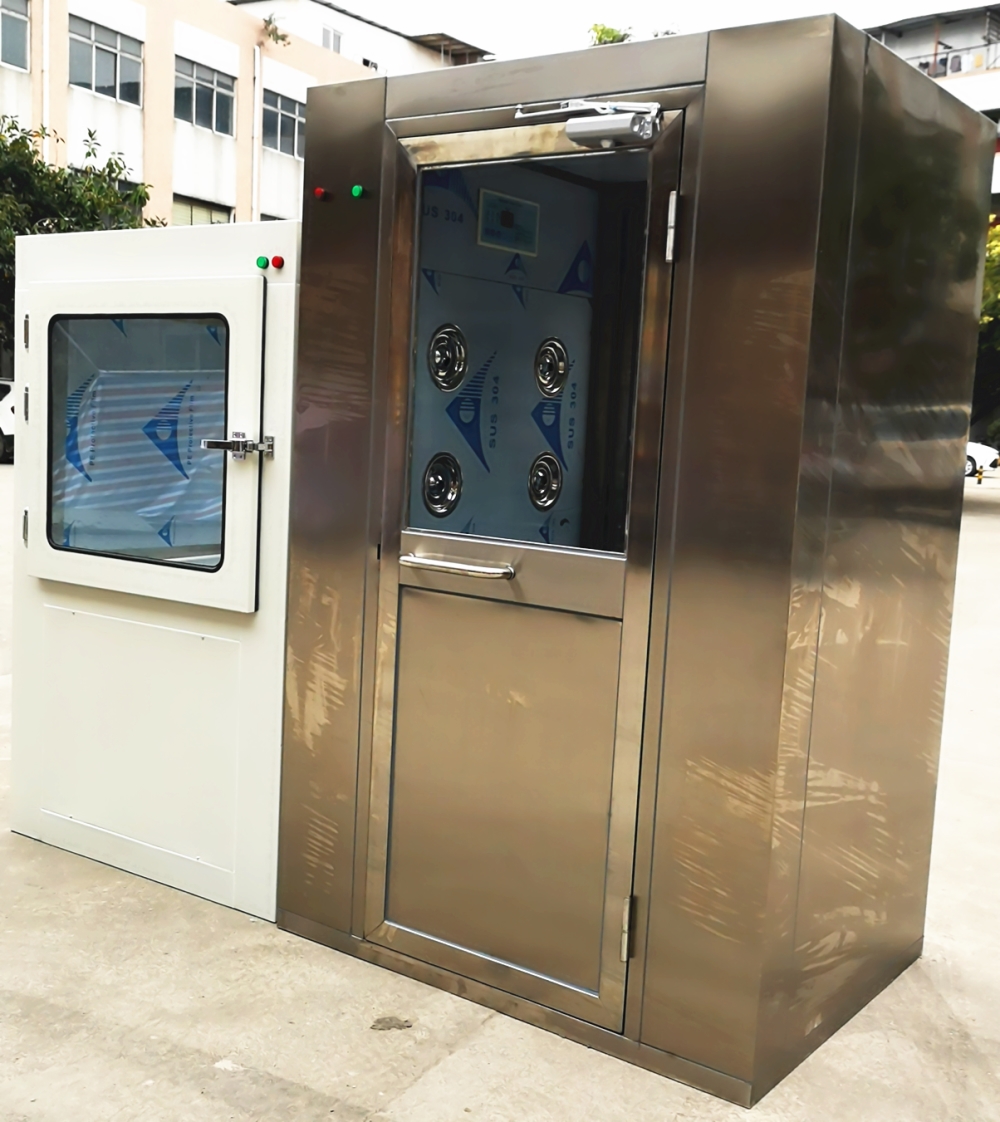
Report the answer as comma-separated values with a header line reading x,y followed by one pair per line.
x,y
262,262
357,191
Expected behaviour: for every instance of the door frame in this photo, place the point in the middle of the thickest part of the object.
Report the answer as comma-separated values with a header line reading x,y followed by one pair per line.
x,y
634,567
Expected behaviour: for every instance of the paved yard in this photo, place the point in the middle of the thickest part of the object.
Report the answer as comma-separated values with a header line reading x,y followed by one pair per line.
x,y
121,999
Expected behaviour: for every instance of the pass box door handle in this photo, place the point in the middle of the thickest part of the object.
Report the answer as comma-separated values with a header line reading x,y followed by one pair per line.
x,y
457,568
240,446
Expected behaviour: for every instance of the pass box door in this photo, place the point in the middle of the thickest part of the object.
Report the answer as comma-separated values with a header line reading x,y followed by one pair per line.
x,y
127,379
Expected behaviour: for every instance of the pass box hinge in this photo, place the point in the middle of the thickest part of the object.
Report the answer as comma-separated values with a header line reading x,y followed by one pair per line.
x,y
25,332
671,227
24,527
239,446
26,403
628,907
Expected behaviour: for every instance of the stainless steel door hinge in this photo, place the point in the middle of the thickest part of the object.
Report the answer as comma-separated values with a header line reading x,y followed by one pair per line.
x,y
25,403
671,227
24,528
628,906
25,332
239,446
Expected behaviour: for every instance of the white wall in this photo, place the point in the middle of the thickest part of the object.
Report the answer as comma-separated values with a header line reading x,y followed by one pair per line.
x,y
981,91
204,164
394,53
280,185
118,127
15,94
206,48
124,16
285,80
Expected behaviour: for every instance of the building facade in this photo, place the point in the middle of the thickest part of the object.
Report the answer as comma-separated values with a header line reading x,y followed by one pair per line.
x,y
961,51
200,101
363,40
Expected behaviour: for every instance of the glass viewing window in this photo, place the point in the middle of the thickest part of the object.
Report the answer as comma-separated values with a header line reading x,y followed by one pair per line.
x,y
526,344
204,97
130,400
104,61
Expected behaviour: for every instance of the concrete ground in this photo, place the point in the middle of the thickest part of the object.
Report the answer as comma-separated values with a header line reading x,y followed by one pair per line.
x,y
121,999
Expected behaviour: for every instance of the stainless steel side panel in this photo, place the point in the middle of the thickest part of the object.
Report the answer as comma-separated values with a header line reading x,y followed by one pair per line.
x,y
910,343
329,551
748,327
501,791
775,1052
650,65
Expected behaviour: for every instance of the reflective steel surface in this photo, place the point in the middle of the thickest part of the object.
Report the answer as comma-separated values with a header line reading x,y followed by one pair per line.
x,y
784,602
899,451
328,548
501,792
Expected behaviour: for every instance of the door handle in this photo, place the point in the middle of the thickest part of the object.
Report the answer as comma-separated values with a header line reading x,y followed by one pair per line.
x,y
239,445
457,568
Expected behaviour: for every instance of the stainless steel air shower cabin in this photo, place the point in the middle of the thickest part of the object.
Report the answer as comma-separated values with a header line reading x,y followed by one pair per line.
x,y
632,394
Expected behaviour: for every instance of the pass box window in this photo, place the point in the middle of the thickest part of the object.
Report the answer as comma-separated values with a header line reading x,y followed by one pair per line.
x,y
130,400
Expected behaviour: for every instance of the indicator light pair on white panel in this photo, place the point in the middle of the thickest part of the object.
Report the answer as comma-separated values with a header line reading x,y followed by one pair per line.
x,y
275,262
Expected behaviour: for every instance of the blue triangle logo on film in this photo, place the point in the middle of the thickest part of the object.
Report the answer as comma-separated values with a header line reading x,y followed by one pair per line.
x,y
166,531
213,330
451,179
466,410
432,279
162,429
545,530
519,293
516,266
73,404
546,415
579,278
120,324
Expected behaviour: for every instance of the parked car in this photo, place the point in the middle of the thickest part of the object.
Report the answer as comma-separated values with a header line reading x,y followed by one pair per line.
x,y
979,457
6,422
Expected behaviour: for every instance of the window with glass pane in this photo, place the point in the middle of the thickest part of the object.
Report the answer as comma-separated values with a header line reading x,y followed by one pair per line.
x,y
204,97
14,33
193,212
284,124
130,400
104,61
525,348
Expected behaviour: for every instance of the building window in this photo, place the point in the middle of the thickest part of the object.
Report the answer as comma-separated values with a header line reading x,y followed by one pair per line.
x,y
14,33
284,124
192,212
104,61
331,39
203,96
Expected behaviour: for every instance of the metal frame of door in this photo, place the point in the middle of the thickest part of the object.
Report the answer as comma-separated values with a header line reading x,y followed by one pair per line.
x,y
613,585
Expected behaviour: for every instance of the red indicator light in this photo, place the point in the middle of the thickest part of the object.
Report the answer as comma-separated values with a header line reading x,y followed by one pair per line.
x,y
277,262
321,193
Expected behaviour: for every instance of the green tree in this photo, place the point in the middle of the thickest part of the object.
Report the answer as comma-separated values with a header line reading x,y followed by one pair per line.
x,y
37,198
601,35
986,389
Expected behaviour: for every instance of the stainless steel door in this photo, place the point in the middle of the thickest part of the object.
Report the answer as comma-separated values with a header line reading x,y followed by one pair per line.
x,y
530,297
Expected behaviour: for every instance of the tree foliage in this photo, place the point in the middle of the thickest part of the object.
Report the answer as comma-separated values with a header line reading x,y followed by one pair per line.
x,y
37,198
273,32
990,314
601,35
